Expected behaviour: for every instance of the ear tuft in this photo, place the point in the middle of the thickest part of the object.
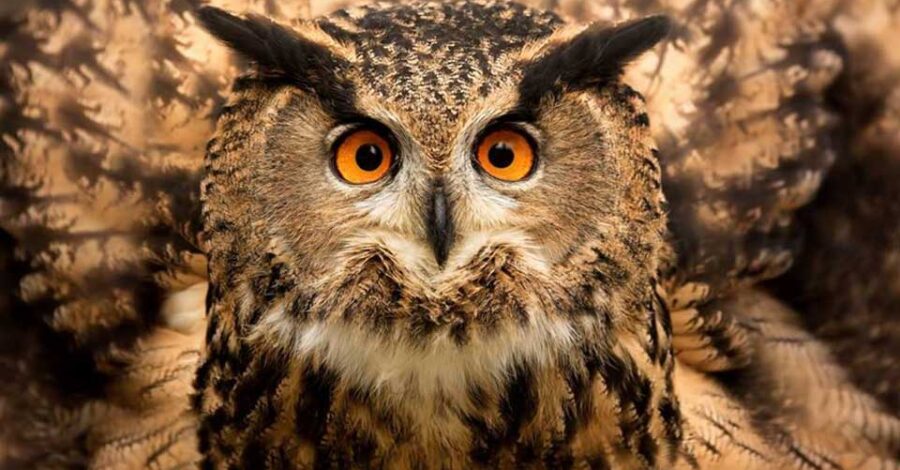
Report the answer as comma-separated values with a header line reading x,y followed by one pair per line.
x,y
593,58
281,53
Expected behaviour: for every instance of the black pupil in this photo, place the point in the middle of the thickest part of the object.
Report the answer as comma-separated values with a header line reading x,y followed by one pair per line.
x,y
368,157
501,155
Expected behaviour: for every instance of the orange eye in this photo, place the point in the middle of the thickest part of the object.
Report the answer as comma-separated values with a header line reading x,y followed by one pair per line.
x,y
363,156
506,154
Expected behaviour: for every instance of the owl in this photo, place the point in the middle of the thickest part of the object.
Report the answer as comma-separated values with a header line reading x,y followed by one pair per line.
x,y
623,234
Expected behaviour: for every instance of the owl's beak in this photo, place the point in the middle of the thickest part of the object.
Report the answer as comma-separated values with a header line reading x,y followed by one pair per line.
x,y
440,223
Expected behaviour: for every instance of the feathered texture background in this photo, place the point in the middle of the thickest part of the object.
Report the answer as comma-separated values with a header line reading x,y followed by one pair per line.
x,y
106,107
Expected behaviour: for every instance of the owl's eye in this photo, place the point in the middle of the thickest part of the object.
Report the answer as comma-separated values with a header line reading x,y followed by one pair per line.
x,y
506,154
363,156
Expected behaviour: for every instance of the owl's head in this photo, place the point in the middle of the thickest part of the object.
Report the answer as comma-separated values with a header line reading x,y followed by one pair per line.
x,y
431,173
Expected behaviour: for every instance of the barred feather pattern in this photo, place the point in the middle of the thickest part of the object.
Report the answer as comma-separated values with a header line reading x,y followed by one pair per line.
x,y
105,110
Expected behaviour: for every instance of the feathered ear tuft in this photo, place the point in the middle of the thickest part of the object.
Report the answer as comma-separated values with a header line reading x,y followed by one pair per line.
x,y
282,53
593,58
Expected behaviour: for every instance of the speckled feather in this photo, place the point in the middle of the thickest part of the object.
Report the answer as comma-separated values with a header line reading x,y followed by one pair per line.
x,y
105,113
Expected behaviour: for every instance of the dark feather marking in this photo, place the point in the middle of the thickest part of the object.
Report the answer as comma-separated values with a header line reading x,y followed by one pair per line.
x,y
300,306
647,448
211,425
608,271
519,403
363,447
560,456
460,332
634,394
518,406
642,120
279,283
485,439
528,451
253,455
671,417
201,380
599,462
313,408
260,381
224,386
578,413
653,346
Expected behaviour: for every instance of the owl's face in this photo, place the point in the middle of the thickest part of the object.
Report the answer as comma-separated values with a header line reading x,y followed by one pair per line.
x,y
436,185
428,170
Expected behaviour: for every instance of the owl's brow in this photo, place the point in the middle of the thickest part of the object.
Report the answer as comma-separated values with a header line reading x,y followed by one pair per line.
x,y
517,114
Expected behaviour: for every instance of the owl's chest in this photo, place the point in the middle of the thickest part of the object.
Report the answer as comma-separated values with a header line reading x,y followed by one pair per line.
x,y
442,405
397,423
353,401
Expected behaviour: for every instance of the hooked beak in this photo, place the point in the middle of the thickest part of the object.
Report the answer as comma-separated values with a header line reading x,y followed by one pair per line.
x,y
440,224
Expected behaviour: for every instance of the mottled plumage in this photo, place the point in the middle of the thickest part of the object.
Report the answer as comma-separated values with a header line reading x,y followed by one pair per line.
x,y
191,283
